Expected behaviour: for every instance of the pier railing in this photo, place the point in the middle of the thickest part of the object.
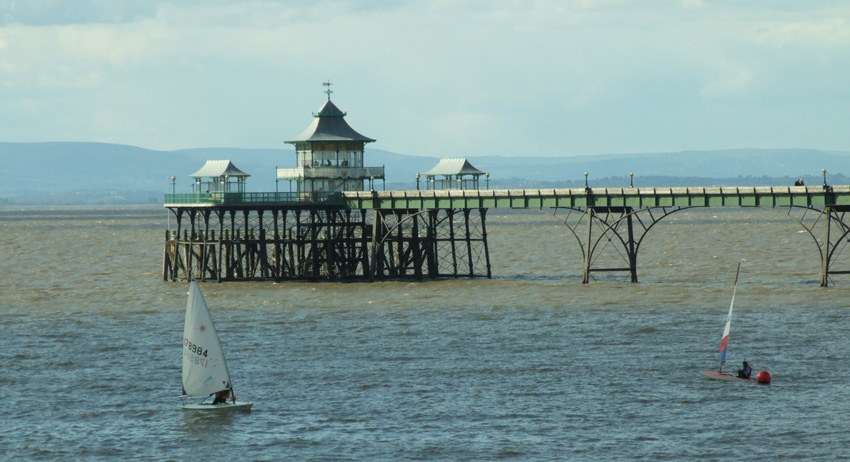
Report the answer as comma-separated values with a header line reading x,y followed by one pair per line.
x,y
758,196
246,198
767,196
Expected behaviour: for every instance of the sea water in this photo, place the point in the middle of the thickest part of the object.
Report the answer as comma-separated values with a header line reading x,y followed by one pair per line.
x,y
529,365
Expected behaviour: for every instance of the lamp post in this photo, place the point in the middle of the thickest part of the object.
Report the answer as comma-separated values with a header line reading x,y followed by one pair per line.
x,y
824,178
174,186
372,183
631,179
585,181
417,181
487,175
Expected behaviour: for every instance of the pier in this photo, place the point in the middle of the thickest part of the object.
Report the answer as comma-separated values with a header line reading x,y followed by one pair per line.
x,y
378,235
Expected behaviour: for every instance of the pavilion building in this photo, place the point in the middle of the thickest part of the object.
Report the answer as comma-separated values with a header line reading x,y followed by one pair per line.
x,y
455,173
219,176
329,157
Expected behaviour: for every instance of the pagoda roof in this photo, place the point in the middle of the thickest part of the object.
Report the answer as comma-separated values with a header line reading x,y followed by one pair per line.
x,y
219,168
456,166
329,125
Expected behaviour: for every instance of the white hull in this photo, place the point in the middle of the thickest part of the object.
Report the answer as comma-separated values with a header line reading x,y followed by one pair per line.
x,y
229,406
724,376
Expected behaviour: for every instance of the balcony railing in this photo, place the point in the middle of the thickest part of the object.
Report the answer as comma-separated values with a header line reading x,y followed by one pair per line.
x,y
218,198
331,173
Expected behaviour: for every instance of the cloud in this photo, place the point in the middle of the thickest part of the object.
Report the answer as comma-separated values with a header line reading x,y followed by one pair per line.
x,y
732,79
66,12
425,77
692,3
832,32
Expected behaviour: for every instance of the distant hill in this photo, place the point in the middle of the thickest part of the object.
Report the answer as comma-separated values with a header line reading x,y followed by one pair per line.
x,y
71,172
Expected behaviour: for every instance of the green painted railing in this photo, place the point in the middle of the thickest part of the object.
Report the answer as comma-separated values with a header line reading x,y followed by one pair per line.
x,y
758,196
252,198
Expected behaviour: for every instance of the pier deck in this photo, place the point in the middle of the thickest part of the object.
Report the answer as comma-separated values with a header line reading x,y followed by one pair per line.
x,y
758,196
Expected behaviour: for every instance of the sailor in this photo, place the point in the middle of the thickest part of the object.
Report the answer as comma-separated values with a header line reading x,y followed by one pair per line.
x,y
221,396
745,372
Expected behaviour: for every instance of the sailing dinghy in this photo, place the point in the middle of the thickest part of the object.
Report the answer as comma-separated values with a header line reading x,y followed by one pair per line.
x,y
720,375
204,368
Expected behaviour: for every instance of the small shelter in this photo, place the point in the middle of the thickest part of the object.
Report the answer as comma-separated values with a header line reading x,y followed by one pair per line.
x,y
218,175
455,173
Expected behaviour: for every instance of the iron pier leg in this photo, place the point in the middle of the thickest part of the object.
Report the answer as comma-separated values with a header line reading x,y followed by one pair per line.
x,y
416,247
468,243
220,264
375,223
825,255
191,244
586,274
483,213
631,250
177,249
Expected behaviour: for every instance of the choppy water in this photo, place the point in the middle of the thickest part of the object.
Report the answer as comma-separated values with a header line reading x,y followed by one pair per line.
x,y
531,365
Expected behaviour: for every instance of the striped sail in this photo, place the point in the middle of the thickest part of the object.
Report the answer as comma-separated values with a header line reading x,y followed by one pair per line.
x,y
204,368
725,340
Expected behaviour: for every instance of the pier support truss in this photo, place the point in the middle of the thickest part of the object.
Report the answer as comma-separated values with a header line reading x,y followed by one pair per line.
x,y
610,237
431,243
323,244
831,233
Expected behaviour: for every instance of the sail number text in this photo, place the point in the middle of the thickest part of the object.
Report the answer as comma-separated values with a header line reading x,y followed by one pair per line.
x,y
195,353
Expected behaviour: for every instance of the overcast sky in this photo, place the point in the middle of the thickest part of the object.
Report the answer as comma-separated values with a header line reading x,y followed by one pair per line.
x,y
434,78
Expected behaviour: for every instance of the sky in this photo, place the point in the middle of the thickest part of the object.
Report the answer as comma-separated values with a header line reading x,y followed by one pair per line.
x,y
432,78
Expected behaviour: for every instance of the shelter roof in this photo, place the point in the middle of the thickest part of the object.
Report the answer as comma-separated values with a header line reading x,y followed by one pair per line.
x,y
457,166
219,168
330,125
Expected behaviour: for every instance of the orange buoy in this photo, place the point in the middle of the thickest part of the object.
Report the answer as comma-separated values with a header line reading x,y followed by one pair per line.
x,y
763,377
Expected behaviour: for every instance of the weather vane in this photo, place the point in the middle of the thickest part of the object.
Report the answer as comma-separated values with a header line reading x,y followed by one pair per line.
x,y
328,91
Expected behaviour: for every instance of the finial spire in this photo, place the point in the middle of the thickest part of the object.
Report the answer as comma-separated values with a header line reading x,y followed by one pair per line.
x,y
328,91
